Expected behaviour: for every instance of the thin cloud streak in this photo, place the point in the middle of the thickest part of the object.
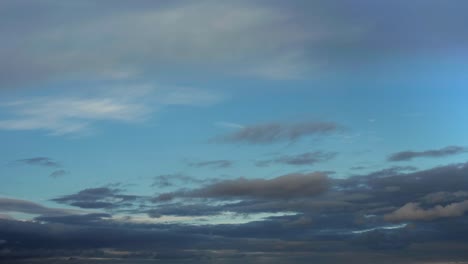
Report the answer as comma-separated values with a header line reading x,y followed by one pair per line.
x,y
308,158
278,132
433,153
39,161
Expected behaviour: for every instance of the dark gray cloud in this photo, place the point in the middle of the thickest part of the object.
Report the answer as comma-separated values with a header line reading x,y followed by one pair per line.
x,y
308,158
212,164
58,173
413,211
28,207
334,216
83,219
409,155
39,161
278,132
102,197
282,187
444,197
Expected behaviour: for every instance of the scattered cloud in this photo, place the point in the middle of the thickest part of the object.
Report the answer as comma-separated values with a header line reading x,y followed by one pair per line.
x,y
308,158
409,155
278,132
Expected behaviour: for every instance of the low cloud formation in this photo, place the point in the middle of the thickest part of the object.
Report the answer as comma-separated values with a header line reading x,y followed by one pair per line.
x,y
308,158
282,187
414,212
102,197
279,132
39,161
23,206
212,164
409,155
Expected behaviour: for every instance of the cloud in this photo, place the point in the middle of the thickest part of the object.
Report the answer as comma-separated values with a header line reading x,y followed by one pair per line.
x,y
212,164
58,173
71,114
394,170
413,212
212,38
83,219
101,197
308,158
444,197
278,132
65,115
23,206
409,155
39,161
282,187
169,180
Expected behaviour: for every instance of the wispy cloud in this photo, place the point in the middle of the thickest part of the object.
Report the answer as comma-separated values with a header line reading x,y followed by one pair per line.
x,y
169,180
308,158
39,161
62,115
101,197
433,153
212,164
58,173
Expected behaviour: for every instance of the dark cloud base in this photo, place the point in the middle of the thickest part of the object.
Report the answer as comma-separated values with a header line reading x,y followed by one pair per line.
x,y
364,218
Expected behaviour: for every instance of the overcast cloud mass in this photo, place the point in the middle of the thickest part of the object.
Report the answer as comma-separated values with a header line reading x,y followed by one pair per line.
x,y
325,131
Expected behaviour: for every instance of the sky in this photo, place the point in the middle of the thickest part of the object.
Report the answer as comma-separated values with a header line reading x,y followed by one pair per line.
x,y
325,131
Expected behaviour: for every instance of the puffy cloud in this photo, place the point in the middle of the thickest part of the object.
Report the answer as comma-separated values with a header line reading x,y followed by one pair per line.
x,y
277,132
409,155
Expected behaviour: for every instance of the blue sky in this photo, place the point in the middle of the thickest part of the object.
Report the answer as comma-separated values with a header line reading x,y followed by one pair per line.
x,y
191,115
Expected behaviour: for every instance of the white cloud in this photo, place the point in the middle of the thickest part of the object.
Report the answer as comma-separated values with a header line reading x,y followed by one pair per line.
x,y
61,115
